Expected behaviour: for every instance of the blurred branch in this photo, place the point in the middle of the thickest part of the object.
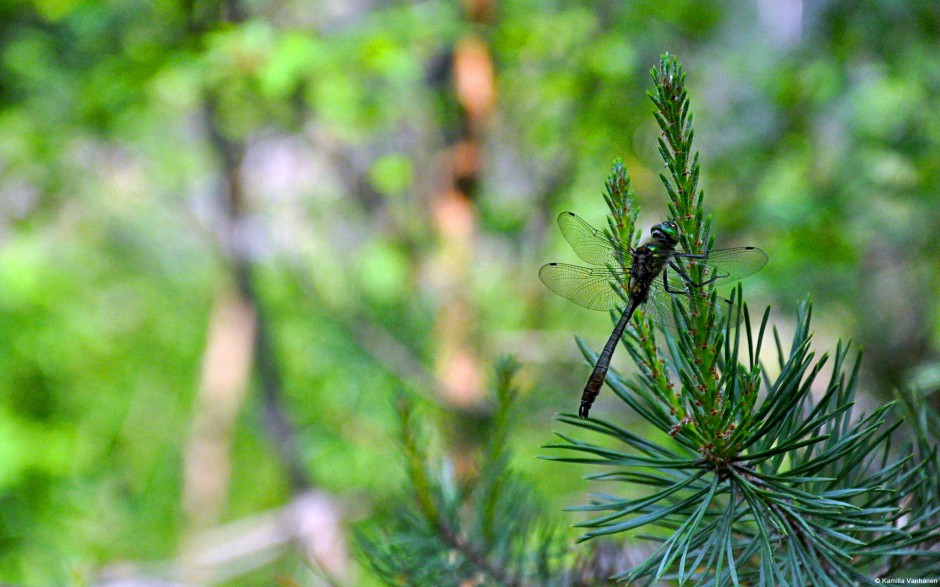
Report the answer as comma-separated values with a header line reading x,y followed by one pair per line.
x,y
378,342
225,553
353,175
392,354
225,372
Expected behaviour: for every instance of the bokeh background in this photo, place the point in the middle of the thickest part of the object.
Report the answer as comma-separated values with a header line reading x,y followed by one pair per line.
x,y
230,230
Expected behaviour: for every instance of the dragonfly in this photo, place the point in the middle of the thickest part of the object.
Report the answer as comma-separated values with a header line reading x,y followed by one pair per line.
x,y
658,271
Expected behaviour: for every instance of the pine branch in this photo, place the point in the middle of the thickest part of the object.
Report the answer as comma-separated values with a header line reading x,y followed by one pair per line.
x,y
751,479
493,530
478,558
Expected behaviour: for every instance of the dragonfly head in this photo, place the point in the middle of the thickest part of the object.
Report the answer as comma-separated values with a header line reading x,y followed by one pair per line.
x,y
666,232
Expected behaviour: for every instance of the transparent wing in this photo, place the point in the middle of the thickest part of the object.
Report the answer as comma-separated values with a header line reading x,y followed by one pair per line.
x,y
726,265
590,244
591,288
659,307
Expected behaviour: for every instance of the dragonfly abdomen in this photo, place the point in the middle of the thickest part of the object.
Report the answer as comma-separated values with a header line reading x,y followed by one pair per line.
x,y
594,383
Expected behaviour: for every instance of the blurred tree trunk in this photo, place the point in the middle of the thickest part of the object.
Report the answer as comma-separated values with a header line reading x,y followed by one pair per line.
x,y
455,220
239,338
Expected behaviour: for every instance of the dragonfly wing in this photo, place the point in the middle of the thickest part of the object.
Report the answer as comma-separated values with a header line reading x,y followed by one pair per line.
x,y
660,310
590,244
727,265
594,289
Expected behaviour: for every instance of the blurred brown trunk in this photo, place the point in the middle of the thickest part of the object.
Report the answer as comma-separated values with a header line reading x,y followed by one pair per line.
x,y
454,215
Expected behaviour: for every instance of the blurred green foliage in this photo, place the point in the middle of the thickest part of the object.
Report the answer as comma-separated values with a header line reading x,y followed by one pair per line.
x,y
820,143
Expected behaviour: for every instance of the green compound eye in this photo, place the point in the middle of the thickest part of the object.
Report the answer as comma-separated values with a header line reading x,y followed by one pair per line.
x,y
670,229
667,231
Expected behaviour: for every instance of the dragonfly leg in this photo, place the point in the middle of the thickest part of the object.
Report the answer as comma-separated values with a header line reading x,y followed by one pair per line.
x,y
670,290
728,305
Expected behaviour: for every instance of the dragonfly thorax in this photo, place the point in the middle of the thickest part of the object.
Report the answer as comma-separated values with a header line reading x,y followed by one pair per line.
x,y
647,263
651,258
